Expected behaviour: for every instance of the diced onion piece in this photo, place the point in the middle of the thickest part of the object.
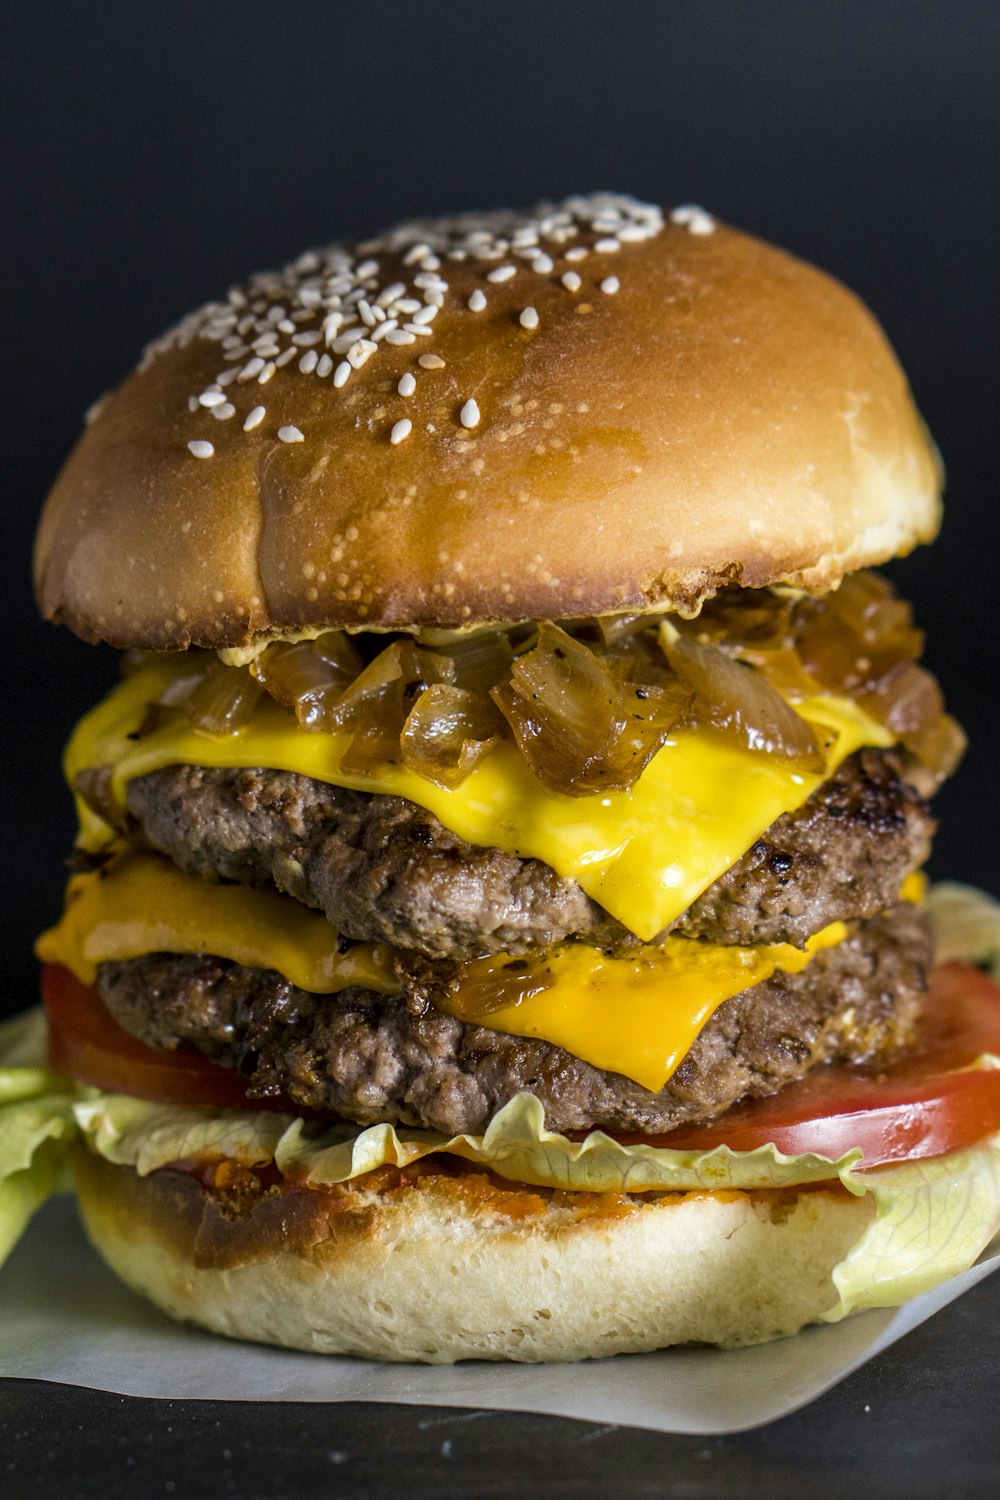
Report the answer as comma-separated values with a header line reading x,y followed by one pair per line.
x,y
906,699
487,985
224,700
373,708
580,730
309,677
938,745
740,702
481,660
447,733
851,638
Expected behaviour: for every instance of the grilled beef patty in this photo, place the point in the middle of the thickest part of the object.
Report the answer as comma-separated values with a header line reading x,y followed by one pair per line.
x,y
374,1058
383,869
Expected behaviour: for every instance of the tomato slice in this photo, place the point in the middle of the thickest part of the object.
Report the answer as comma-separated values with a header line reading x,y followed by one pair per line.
x,y
928,1104
86,1043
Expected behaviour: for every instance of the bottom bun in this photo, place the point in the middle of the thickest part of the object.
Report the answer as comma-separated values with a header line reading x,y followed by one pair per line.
x,y
448,1265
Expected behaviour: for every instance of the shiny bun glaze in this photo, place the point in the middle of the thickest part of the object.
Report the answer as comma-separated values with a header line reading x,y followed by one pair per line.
x,y
646,407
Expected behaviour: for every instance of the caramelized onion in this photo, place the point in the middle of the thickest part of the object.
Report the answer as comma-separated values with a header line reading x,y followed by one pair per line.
x,y
447,733
223,700
487,985
938,745
739,702
309,677
373,708
578,728
851,638
481,660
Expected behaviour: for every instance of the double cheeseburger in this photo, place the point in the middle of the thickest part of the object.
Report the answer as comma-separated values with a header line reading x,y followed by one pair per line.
x,y
496,927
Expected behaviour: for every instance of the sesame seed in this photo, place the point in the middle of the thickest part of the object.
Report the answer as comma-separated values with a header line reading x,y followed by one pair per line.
x,y
254,418
610,284
290,435
477,301
529,318
341,374
285,357
425,314
543,264
211,398
501,273
359,353
266,373
607,246
578,252
469,415
309,361
571,281
324,366
431,361
694,218
224,412
407,384
401,430
200,448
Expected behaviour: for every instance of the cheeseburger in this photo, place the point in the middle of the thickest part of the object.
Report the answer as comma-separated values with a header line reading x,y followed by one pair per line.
x,y
496,928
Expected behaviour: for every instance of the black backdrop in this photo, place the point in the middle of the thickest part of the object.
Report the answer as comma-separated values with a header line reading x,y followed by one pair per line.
x,y
155,153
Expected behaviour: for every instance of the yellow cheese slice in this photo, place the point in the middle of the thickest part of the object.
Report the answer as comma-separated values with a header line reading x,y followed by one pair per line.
x,y
143,904
637,1014
644,854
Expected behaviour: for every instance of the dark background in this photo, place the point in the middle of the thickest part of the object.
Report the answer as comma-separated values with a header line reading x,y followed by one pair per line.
x,y
155,153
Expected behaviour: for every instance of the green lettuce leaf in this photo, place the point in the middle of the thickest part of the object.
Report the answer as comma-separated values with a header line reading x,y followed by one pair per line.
x,y
516,1145
966,925
933,1219
37,1126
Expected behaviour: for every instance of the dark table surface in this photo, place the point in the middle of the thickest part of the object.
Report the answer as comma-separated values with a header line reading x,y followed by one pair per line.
x,y
919,1421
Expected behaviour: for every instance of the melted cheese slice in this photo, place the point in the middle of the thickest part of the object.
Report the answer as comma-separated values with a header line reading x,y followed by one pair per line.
x,y
142,904
644,854
637,1014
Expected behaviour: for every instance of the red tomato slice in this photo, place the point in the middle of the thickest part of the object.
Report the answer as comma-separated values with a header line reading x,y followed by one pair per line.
x,y
87,1044
928,1104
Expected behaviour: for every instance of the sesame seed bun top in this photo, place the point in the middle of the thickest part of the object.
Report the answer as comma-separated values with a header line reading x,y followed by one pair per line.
x,y
582,409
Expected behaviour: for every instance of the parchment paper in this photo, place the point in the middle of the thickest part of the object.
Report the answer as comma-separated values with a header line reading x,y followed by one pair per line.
x,y
65,1318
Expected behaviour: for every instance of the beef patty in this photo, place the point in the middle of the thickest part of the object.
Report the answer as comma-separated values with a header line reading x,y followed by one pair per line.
x,y
374,1058
383,869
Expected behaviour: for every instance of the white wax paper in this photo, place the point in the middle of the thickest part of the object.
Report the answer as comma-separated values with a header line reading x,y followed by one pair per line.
x,y
64,1317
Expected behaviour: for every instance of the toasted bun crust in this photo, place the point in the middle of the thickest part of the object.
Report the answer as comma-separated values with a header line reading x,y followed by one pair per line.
x,y
456,1268
716,412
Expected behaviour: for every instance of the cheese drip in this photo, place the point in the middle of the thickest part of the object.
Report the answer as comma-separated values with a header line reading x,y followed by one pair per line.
x,y
644,854
637,1014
